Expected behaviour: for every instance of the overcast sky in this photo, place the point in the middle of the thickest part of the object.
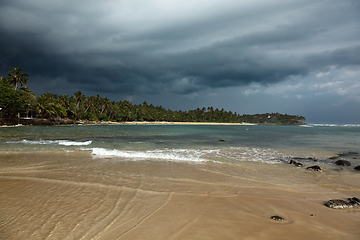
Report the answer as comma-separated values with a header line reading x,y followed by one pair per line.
x,y
251,56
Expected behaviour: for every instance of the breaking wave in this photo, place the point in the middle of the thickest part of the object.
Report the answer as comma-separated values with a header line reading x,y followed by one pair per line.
x,y
331,125
52,142
229,155
161,154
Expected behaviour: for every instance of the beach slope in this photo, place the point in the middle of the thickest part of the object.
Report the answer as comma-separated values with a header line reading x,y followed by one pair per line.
x,y
56,195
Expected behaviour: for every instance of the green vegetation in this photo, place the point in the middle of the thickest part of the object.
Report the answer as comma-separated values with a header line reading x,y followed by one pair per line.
x,y
16,76
21,102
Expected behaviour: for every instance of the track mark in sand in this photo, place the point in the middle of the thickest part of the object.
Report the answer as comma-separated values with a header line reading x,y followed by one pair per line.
x,y
191,221
50,235
148,216
116,212
90,184
274,185
183,228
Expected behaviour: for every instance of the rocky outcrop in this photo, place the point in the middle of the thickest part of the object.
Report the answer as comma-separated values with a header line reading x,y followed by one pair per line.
x,y
277,218
357,168
293,162
34,121
314,168
342,163
340,204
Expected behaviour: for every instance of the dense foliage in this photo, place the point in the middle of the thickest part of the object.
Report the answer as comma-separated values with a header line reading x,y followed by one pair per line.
x,y
22,103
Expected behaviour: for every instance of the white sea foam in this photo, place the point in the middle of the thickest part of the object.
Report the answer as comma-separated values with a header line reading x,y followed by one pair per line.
x,y
229,155
17,125
161,154
73,143
333,125
243,154
52,142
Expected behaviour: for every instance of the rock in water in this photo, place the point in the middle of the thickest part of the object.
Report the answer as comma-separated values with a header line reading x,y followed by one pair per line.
x,y
314,168
293,162
338,203
342,163
357,168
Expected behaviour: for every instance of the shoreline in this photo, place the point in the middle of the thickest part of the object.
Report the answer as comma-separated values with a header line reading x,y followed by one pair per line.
x,y
50,122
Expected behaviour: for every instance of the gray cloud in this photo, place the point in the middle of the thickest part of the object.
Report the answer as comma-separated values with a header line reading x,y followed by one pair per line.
x,y
152,47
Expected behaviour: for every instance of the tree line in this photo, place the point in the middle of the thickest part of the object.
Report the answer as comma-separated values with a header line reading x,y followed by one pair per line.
x,y
16,100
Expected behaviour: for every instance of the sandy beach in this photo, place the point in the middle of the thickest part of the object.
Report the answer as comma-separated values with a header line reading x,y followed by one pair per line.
x,y
174,123
57,195
35,121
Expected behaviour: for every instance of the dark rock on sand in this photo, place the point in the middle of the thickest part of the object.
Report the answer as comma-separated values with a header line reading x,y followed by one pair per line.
x,y
357,168
342,163
293,162
314,168
354,201
277,218
338,203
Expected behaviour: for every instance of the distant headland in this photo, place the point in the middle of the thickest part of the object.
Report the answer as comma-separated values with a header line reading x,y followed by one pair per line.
x,y
18,105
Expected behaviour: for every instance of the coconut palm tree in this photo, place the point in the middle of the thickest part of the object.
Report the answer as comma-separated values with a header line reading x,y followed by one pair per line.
x,y
15,77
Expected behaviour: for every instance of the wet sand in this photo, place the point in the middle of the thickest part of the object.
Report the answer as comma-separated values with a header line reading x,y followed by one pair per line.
x,y
55,195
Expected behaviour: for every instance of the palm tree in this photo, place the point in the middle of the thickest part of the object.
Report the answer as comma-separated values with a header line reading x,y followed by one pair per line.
x,y
16,77
46,106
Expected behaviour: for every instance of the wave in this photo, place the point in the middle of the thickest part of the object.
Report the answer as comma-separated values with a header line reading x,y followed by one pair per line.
x,y
331,125
72,143
228,155
52,142
17,125
162,154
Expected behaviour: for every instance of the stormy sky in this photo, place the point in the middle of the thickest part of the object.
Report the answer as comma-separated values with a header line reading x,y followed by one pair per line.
x,y
252,56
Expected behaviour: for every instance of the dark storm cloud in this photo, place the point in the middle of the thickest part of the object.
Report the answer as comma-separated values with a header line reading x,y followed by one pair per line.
x,y
134,50
349,56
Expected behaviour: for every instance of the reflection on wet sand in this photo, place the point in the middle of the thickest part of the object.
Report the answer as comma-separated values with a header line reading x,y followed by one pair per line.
x,y
53,195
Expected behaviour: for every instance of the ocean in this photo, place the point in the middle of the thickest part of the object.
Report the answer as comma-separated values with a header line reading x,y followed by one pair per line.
x,y
177,182
188,143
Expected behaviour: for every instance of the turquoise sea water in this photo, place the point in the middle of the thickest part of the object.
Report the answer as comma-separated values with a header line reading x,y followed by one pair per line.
x,y
188,143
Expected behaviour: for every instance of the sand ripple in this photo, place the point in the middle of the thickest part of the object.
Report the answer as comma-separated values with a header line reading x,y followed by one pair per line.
x,y
73,196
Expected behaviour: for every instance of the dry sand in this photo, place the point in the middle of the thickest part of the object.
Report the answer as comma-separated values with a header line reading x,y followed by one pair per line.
x,y
74,196
174,123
